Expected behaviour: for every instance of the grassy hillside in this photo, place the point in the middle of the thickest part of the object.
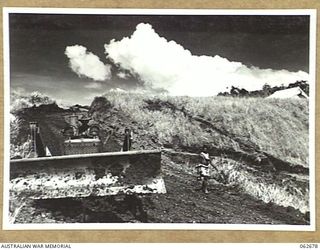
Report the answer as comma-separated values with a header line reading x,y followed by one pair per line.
x,y
261,145
251,125
237,130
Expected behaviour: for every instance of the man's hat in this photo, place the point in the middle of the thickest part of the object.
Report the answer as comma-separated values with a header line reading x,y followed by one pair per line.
x,y
205,156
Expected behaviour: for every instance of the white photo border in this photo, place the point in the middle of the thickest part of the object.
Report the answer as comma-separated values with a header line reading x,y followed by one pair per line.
x,y
6,225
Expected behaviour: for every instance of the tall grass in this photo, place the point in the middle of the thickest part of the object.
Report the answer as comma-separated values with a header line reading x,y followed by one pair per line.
x,y
284,191
278,127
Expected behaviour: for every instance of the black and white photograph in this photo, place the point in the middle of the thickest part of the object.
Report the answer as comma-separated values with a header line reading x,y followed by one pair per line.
x,y
159,119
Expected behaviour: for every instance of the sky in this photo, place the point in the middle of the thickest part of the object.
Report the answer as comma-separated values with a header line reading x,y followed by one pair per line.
x,y
73,58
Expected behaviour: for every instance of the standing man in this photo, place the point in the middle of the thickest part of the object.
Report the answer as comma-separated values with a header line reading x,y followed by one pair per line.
x,y
127,140
203,169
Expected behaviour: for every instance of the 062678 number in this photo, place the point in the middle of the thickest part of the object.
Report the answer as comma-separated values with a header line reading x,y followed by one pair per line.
x,y
308,245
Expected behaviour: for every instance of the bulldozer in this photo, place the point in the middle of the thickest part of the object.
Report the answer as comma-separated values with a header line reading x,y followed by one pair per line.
x,y
83,170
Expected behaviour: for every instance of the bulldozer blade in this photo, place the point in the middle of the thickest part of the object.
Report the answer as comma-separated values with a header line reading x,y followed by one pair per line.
x,y
85,175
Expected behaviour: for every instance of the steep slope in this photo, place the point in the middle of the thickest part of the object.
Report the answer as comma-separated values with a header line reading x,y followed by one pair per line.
x,y
277,128
259,145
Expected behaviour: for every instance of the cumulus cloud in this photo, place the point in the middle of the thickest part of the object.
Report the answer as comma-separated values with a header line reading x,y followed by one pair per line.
x,y
164,64
87,64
